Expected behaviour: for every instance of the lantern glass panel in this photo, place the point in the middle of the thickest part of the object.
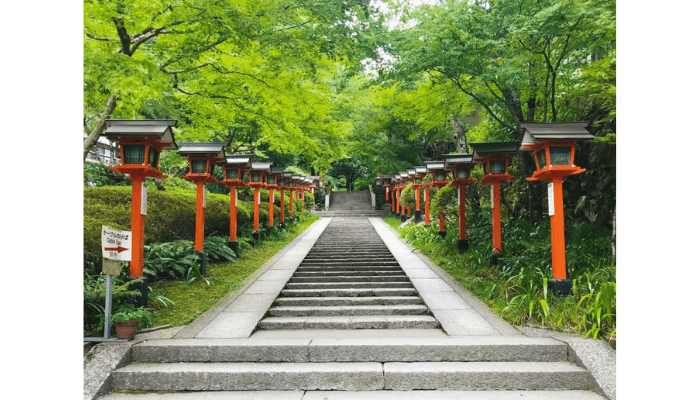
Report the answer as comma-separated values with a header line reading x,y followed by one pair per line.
x,y
134,153
440,176
541,160
270,180
418,179
199,166
153,157
255,177
462,173
498,166
232,173
560,155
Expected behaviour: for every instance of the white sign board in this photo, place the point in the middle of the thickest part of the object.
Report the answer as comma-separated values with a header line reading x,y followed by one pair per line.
x,y
550,193
235,198
116,245
491,196
204,202
144,197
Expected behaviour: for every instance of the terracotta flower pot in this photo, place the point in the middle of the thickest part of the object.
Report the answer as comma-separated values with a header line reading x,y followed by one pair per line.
x,y
127,330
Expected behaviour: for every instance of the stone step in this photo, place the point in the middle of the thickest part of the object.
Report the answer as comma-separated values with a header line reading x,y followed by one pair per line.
x,y
364,395
350,285
346,273
349,263
307,268
464,349
350,257
348,292
346,301
352,376
350,310
346,278
350,322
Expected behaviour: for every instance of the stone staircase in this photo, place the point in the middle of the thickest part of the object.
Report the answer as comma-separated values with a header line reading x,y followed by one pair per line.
x,y
348,325
349,280
351,205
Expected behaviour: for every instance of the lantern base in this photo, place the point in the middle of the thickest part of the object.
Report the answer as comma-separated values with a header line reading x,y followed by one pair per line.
x,y
462,245
442,233
256,235
416,216
493,259
560,287
233,245
141,287
403,218
202,262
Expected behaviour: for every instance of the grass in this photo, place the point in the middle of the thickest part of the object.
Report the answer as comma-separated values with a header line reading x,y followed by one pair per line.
x,y
516,290
192,300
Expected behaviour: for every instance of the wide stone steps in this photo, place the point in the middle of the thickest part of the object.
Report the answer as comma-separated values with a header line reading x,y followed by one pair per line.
x,y
384,292
344,273
458,349
300,311
345,301
364,395
349,285
350,322
352,376
349,278
329,268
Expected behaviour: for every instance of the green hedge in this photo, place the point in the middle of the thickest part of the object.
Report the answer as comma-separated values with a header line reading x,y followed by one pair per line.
x,y
170,215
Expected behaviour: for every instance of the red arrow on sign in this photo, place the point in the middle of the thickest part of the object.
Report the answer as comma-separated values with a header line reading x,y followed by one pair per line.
x,y
118,249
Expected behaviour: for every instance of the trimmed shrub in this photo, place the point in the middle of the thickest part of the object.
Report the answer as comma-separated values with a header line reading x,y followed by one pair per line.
x,y
170,215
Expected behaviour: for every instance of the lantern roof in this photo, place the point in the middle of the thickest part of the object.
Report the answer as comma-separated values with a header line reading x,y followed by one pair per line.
x,y
263,166
411,171
238,159
277,170
435,165
458,159
143,127
531,133
421,169
404,174
495,148
202,148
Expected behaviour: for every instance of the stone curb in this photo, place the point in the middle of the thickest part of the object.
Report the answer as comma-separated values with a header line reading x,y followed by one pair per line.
x,y
597,356
494,320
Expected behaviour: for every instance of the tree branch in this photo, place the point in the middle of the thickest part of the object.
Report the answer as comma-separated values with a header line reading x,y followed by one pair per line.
x,y
219,71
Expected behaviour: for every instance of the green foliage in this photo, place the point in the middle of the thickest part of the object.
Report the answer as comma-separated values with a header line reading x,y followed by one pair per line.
x,y
128,313
94,291
170,216
97,174
517,287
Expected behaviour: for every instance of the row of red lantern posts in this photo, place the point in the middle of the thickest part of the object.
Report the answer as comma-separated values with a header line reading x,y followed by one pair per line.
x,y
553,146
141,143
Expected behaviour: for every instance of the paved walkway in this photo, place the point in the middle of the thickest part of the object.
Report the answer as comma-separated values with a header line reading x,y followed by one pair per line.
x,y
459,313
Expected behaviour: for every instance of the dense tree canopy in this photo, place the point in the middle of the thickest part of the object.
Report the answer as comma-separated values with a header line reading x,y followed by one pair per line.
x,y
289,79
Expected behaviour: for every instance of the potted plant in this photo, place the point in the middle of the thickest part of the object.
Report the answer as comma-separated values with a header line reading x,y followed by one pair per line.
x,y
128,319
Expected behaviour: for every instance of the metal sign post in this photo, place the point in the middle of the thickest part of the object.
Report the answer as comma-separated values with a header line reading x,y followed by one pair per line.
x,y
116,247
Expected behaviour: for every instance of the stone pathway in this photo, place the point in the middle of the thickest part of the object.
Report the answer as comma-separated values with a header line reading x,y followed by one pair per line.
x,y
328,347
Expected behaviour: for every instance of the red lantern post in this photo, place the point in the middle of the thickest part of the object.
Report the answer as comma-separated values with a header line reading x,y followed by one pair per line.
x,y
274,181
419,174
494,158
461,166
553,145
437,168
257,173
234,169
140,144
202,158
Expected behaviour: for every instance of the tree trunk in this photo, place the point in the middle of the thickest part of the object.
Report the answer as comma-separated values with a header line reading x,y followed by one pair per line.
x,y
100,126
459,136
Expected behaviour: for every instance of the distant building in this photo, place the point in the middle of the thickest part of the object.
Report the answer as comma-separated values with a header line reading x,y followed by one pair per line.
x,y
104,152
